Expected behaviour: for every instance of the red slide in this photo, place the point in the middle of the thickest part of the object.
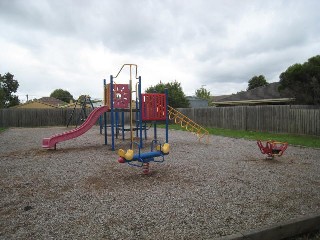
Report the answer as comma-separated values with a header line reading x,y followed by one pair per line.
x,y
90,121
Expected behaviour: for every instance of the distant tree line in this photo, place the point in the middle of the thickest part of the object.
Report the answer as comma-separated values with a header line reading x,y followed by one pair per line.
x,y
176,96
303,80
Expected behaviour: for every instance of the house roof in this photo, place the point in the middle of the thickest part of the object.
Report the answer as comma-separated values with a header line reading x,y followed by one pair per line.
x,y
255,102
194,98
263,94
219,98
44,102
269,91
34,104
52,101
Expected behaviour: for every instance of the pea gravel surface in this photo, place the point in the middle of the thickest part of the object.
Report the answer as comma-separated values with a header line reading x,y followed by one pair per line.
x,y
200,191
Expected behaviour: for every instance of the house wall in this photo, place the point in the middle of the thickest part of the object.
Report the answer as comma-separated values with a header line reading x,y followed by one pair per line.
x,y
197,103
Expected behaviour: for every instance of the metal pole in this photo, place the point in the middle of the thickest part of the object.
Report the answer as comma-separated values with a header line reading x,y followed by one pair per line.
x,y
105,114
140,112
112,113
104,91
137,109
131,123
105,129
155,130
104,101
130,84
167,116
122,123
117,124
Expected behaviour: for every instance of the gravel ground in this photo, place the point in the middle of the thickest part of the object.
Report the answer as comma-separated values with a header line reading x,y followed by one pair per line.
x,y
201,191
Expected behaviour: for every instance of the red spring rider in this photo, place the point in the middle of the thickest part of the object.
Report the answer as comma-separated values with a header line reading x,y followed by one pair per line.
x,y
272,148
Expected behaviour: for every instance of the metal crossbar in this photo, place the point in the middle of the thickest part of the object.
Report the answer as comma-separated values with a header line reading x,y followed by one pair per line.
x,y
187,123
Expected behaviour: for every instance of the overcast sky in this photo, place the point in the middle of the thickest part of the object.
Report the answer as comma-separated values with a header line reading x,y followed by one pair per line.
x,y
74,45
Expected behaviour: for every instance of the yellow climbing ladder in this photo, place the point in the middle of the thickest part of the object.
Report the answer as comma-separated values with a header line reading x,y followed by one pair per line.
x,y
187,123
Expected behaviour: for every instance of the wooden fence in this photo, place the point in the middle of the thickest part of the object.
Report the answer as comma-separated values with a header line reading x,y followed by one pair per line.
x,y
44,117
269,118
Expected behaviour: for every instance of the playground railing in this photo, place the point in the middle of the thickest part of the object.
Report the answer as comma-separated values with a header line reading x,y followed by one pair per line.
x,y
188,124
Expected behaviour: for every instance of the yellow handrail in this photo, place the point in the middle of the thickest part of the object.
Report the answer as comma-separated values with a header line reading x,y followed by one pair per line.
x,y
187,123
130,86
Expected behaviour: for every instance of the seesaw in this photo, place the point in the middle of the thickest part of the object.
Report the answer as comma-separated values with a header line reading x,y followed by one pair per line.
x,y
142,159
272,148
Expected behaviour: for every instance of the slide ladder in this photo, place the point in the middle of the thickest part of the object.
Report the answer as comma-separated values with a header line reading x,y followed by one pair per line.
x,y
188,124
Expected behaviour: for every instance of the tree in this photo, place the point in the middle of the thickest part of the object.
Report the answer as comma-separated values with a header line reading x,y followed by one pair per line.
x,y
1,94
61,94
203,93
176,96
84,100
303,80
8,86
257,81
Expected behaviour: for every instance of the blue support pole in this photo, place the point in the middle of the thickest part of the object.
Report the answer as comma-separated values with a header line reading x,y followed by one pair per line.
x,y
117,123
145,131
122,124
105,129
140,111
167,116
155,130
112,113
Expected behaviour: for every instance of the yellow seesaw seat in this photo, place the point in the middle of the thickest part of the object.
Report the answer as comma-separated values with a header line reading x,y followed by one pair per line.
x,y
126,155
164,149
129,155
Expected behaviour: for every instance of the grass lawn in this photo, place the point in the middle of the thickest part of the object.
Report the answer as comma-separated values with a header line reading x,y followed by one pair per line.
x,y
2,129
301,140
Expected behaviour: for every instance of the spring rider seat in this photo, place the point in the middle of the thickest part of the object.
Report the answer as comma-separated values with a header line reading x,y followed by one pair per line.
x,y
272,148
143,159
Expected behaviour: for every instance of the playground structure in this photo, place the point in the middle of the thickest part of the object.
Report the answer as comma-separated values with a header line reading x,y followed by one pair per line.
x,y
145,108
272,148
117,99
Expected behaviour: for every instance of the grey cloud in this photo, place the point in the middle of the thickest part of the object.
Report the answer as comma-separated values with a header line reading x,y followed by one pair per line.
x,y
212,41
